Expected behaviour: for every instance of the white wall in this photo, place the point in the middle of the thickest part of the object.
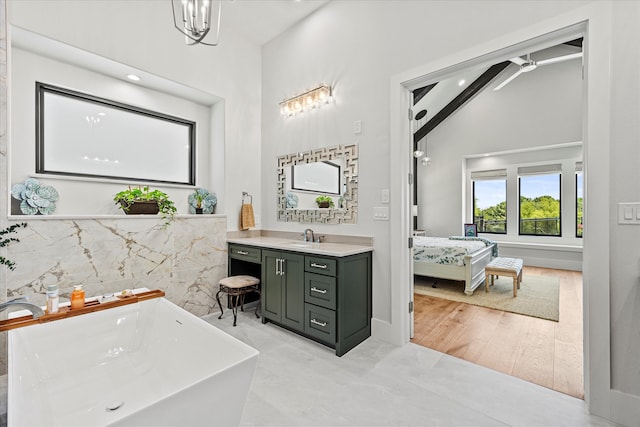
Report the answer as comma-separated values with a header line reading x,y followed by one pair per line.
x,y
625,175
141,34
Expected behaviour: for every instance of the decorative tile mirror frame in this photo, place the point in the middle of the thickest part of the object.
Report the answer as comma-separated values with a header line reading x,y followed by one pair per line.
x,y
346,215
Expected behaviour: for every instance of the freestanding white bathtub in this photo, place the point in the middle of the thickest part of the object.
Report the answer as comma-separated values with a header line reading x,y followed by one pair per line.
x,y
145,364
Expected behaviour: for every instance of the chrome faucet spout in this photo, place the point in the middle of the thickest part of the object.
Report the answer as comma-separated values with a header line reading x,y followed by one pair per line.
x,y
21,302
306,233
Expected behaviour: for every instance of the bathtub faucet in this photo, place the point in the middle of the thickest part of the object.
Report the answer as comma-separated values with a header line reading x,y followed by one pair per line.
x,y
22,302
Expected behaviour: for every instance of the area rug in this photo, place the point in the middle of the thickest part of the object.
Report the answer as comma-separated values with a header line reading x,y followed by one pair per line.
x,y
538,296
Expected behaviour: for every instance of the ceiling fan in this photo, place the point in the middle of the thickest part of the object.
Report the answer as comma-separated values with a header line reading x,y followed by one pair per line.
x,y
527,65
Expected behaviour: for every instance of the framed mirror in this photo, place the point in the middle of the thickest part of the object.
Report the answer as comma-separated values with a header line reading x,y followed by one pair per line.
x,y
330,172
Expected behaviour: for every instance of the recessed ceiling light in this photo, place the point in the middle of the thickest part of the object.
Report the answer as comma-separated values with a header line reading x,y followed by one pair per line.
x,y
461,82
133,77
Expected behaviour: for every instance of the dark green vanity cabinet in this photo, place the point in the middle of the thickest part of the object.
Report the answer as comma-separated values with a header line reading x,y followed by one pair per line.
x,y
282,298
327,299
324,298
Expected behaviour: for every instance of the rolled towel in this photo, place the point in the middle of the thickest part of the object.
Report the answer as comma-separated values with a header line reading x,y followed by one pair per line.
x,y
247,220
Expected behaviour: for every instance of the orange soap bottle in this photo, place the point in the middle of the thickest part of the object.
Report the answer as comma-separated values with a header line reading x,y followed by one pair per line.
x,y
77,297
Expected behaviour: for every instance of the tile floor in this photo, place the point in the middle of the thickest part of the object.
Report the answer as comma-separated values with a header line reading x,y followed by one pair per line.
x,y
301,383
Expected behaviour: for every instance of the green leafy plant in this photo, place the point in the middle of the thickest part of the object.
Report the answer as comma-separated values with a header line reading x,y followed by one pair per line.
x,y
4,241
325,199
126,198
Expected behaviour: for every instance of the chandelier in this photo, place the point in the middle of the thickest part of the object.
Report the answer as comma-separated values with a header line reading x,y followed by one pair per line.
x,y
193,19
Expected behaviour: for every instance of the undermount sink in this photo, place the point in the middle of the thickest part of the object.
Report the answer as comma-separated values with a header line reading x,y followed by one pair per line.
x,y
301,244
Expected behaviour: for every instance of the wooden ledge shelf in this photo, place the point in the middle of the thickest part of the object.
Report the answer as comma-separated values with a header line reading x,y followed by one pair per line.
x,y
89,307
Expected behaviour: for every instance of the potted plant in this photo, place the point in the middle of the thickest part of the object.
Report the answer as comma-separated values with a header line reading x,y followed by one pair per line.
x,y
4,241
324,201
141,201
201,201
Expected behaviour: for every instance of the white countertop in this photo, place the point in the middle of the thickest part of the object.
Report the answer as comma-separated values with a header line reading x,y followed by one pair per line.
x,y
288,244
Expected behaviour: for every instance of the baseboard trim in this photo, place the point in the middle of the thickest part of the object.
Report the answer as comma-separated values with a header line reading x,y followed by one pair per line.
x,y
625,408
384,331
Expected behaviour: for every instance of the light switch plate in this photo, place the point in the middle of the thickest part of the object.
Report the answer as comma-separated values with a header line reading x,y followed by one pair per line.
x,y
381,213
629,213
357,127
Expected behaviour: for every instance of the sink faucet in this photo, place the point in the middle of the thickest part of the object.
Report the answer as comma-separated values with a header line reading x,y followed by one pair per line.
x,y
306,233
21,302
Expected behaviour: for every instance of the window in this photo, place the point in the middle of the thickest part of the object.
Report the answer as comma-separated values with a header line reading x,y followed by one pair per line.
x,y
539,190
579,193
490,201
80,134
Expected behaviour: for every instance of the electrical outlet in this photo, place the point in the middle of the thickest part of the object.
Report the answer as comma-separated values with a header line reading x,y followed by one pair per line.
x,y
357,127
384,196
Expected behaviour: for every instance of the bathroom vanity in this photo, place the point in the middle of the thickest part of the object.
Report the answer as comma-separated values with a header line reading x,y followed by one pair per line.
x,y
321,291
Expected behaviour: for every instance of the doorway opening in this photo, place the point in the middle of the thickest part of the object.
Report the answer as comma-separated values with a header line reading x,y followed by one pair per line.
x,y
546,352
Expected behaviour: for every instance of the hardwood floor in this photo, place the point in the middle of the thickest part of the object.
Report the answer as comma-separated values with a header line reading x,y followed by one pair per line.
x,y
540,351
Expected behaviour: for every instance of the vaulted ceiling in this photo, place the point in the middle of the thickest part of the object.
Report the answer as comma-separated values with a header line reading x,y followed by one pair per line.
x,y
435,102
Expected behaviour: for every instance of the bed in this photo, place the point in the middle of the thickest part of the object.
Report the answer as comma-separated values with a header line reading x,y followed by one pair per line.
x,y
453,258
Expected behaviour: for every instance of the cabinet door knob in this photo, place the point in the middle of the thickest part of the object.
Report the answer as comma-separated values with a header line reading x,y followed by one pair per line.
x,y
314,321
323,266
320,291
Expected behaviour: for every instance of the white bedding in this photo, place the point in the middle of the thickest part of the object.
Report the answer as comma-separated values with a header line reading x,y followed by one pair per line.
x,y
442,250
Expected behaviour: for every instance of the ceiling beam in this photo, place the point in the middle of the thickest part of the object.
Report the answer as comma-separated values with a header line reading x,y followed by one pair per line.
x,y
418,94
464,96
576,42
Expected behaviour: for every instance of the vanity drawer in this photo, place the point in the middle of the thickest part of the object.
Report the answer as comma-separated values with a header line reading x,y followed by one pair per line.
x,y
320,265
245,253
320,290
320,323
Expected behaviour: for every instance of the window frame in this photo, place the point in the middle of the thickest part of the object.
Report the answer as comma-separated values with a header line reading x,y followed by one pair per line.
x,y
520,176
473,204
138,160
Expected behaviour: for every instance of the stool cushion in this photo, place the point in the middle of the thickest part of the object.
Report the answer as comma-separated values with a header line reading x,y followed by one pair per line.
x,y
239,281
505,265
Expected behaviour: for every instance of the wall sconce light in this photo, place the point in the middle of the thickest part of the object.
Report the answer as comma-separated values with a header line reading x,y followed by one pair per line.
x,y
309,100
193,19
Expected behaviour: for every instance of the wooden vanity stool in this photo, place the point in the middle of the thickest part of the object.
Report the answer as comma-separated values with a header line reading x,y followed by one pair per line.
x,y
238,287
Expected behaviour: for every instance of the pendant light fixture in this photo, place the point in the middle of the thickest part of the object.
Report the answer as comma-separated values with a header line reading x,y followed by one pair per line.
x,y
197,20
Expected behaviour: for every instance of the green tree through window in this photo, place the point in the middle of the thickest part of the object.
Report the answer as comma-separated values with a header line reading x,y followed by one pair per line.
x,y
579,192
490,205
540,205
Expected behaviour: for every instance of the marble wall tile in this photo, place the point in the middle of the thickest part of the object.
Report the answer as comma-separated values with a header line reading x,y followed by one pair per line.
x,y
185,259
210,248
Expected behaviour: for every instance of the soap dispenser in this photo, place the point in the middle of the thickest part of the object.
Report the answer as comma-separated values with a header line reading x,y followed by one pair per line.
x,y
77,297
